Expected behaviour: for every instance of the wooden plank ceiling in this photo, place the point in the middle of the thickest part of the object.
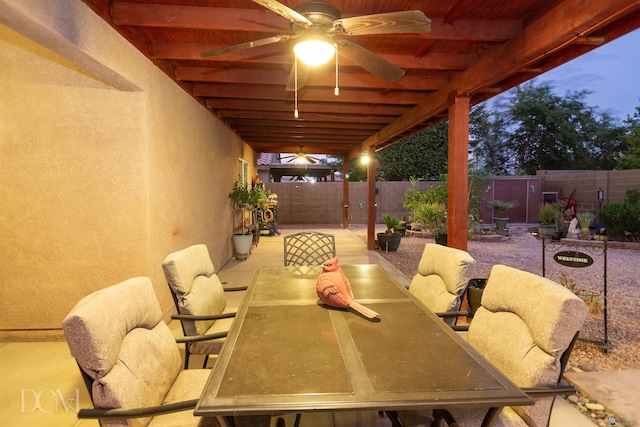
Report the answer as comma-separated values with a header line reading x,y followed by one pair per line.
x,y
478,48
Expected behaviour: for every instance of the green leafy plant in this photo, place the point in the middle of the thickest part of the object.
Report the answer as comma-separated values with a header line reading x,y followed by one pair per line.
x,y
501,206
240,193
433,216
546,214
259,197
391,223
585,218
622,219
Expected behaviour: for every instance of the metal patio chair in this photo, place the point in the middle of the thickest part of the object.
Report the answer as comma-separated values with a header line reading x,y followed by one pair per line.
x,y
308,248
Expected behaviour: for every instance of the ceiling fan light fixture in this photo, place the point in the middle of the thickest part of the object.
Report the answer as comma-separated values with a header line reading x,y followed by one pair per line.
x,y
314,49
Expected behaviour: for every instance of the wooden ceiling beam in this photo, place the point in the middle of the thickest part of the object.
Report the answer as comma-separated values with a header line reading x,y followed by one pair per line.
x,y
316,78
310,130
305,107
269,55
307,95
265,21
299,124
308,118
456,11
545,35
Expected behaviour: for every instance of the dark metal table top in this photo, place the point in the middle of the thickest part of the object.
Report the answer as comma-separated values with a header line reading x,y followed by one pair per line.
x,y
287,352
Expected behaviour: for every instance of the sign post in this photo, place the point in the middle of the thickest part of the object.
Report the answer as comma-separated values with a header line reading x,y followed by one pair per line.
x,y
582,254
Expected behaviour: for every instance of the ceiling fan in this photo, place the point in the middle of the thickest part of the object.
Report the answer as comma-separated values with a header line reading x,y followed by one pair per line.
x,y
321,21
300,155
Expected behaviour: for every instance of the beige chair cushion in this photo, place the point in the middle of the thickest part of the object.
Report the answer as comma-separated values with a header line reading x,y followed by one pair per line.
x,y
118,337
197,288
95,336
524,325
443,275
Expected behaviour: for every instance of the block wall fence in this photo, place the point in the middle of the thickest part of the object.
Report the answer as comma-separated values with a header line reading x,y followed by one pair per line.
x,y
321,202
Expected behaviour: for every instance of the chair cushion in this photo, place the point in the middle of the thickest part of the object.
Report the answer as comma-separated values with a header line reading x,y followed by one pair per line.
x,y
188,385
443,275
181,267
212,346
198,290
524,325
147,367
94,336
118,337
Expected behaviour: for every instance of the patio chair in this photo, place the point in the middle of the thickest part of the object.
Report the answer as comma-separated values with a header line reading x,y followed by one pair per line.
x,y
200,300
129,359
308,248
526,327
443,276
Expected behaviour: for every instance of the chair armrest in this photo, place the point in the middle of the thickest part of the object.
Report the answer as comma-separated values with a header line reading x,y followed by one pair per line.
x,y
234,288
203,317
137,412
198,338
460,328
453,314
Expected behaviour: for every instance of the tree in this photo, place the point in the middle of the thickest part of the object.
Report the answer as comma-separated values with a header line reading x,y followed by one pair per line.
x,y
630,159
422,155
533,128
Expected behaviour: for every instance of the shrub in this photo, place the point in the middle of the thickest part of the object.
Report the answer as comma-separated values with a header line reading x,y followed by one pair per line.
x,y
433,215
547,214
622,219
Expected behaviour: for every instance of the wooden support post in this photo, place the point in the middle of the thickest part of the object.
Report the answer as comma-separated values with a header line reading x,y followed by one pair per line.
x,y
345,193
458,182
371,199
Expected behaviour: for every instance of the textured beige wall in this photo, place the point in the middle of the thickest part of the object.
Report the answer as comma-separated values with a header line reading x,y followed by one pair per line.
x,y
106,166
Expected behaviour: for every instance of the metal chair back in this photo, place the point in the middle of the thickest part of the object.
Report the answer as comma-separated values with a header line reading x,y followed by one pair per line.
x,y
308,248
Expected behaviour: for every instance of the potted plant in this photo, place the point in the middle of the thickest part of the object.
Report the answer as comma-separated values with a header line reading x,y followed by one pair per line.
x,y
547,216
585,219
500,206
434,218
242,237
390,239
475,289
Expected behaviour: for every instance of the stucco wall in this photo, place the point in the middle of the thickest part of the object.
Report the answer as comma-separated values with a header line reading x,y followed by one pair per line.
x,y
106,166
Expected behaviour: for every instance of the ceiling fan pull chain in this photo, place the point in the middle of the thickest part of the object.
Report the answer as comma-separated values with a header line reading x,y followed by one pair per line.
x,y
337,89
295,84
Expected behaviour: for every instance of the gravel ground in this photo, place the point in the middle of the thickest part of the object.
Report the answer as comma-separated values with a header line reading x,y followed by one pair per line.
x,y
524,251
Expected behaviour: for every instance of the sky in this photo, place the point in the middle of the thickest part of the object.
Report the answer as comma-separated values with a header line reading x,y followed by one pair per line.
x,y
611,72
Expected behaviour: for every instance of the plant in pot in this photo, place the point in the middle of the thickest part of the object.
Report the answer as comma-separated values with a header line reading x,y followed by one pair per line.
x,y
475,289
547,216
242,237
390,239
585,219
434,217
501,207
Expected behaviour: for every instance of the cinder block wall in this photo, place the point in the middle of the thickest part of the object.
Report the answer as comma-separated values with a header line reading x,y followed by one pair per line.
x,y
584,184
321,203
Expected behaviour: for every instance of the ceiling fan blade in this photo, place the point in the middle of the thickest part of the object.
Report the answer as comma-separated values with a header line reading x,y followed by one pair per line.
x,y
303,73
247,45
309,159
409,21
285,12
373,63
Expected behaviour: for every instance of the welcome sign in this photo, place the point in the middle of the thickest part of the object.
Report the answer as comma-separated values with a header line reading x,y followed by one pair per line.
x,y
573,259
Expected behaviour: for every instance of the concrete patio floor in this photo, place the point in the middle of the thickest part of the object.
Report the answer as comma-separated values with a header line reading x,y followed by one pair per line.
x,y
40,384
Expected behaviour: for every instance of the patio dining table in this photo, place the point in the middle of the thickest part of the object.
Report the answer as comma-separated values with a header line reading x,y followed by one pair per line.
x,y
287,352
